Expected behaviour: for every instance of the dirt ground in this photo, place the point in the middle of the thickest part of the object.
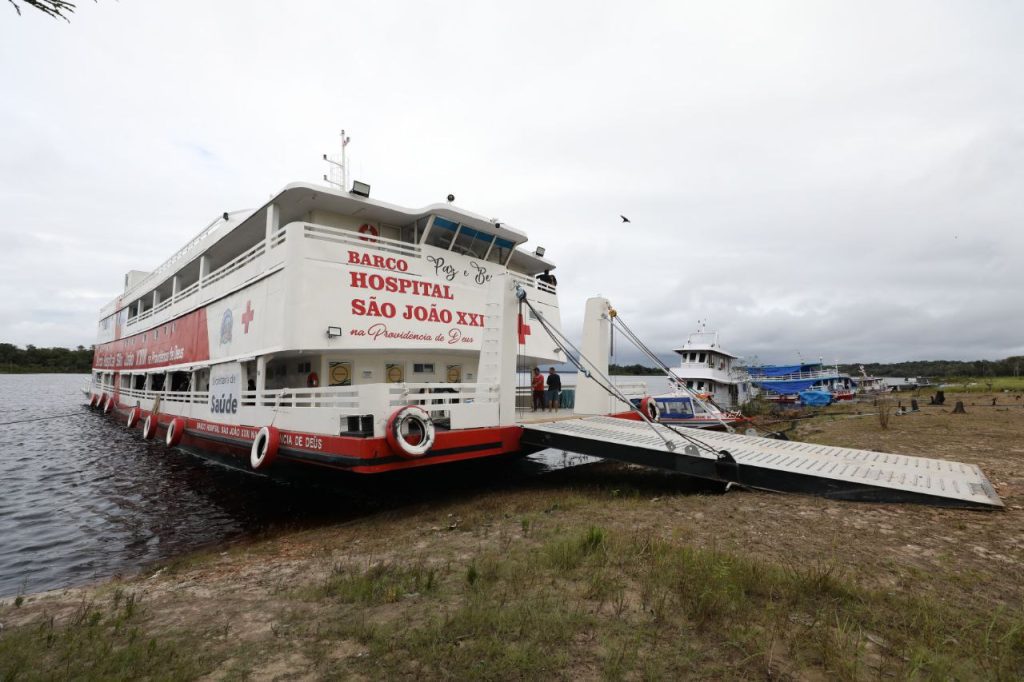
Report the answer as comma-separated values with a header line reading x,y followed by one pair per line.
x,y
252,609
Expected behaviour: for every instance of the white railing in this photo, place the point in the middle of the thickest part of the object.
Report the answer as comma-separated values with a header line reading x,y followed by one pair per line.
x,y
434,395
236,263
178,255
343,398
337,235
532,283
186,292
232,266
793,376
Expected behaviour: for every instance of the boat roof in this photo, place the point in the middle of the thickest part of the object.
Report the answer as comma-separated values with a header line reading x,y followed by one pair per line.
x,y
706,341
297,199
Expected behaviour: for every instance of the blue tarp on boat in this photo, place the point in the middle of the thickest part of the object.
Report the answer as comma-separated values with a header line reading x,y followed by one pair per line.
x,y
786,387
775,370
815,398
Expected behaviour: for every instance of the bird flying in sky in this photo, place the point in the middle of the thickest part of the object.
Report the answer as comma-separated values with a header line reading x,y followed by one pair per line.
x,y
624,218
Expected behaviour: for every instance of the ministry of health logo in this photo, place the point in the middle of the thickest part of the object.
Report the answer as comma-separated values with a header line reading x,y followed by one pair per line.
x,y
225,327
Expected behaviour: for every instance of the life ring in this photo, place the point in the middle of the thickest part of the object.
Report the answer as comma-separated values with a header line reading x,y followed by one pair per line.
x,y
264,447
313,380
403,444
368,229
149,426
650,408
109,407
175,430
133,417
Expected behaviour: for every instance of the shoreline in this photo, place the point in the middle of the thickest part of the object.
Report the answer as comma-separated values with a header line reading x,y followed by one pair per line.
x,y
606,570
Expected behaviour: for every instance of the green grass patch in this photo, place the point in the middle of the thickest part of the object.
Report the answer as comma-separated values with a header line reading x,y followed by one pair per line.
x,y
383,583
95,643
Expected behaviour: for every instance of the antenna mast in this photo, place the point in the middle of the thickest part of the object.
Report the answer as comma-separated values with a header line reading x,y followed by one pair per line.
x,y
339,165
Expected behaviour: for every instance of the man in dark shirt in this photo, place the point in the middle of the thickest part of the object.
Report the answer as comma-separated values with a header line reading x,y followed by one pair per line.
x,y
554,388
548,278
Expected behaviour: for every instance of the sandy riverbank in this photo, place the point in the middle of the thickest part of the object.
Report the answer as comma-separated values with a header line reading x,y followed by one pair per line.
x,y
600,572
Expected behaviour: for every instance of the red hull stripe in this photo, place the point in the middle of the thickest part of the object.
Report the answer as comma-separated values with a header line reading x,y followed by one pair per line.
x,y
364,455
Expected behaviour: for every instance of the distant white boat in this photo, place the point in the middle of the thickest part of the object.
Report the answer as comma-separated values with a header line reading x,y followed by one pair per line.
x,y
712,372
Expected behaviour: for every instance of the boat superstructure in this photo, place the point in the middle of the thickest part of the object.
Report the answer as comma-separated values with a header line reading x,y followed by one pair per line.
x,y
708,369
316,319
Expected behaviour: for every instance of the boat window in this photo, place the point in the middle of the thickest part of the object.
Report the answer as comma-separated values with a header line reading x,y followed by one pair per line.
x,y
689,384
423,368
140,382
472,243
442,233
501,251
181,381
157,383
700,358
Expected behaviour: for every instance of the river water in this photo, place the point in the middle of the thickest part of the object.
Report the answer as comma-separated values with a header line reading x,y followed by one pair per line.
x,y
83,498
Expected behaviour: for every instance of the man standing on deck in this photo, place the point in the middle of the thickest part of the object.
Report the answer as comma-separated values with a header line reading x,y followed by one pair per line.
x,y
537,386
554,388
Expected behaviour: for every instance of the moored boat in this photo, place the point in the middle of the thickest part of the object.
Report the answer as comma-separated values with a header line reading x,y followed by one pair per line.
x,y
329,329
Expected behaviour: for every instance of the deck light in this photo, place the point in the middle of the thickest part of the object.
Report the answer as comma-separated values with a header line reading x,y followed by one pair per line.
x,y
333,332
360,188
539,252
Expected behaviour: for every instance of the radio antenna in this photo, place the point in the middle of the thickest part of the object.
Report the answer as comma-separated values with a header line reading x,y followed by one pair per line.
x,y
339,165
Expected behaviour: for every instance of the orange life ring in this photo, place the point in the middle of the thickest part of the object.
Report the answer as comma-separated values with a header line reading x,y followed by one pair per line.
x,y
368,229
133,417
175,430
264,447
650,408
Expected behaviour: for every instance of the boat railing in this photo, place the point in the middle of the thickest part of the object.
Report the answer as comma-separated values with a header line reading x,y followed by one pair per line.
x,y
178,256
346,399
239,262
236,263
337,235
793,376
533,283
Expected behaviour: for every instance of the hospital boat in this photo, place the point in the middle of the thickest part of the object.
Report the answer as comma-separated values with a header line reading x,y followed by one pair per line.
x,y
329,329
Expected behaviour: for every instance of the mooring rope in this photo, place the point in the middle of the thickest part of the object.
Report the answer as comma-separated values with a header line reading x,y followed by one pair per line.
x,y
632,337
606,385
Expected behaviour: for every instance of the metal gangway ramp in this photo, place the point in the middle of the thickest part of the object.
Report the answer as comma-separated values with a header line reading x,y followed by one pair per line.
x,y
768,464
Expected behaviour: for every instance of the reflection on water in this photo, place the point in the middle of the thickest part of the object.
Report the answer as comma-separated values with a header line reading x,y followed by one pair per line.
x,y
83,498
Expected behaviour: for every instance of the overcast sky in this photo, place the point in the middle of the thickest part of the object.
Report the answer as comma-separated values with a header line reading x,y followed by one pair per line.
x,y
841,180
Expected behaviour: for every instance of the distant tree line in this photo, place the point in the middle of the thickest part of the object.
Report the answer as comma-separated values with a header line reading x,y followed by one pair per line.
x,y
934,369
32,360
941,369
633,370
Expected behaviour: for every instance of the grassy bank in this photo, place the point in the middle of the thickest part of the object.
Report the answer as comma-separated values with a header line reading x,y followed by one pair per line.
x,y
607,572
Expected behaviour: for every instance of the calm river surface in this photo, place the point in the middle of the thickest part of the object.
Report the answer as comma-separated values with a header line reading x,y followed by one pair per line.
x,y
82,498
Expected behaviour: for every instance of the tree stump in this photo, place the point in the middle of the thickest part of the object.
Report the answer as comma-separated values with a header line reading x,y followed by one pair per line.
x,y
959,409
940,398
913,405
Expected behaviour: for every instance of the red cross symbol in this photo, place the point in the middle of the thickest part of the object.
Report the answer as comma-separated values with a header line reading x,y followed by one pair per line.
x,y
524,330
248,315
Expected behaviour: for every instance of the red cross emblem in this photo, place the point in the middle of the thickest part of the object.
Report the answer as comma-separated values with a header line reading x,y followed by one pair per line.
x,y
524,330
248,315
